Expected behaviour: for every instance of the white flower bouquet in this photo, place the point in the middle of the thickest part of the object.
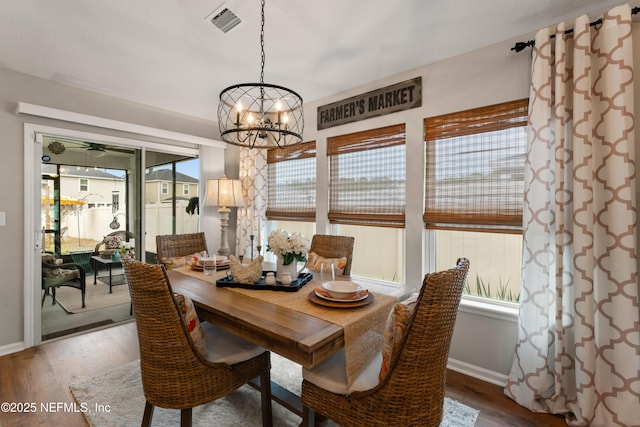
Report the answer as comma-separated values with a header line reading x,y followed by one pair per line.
x,y
288,246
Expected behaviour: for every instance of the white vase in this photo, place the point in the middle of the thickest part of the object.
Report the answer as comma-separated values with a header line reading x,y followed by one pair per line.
x,y
292,269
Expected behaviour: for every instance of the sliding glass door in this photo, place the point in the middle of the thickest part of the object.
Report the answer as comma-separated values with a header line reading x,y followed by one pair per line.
x,y
90,190
171,197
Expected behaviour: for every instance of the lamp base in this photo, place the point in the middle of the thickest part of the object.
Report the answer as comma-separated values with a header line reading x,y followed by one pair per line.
x,y
224,223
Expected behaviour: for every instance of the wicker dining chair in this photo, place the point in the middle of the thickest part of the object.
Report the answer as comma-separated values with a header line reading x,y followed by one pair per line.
x,y
330,246
412,392
174,373
178,245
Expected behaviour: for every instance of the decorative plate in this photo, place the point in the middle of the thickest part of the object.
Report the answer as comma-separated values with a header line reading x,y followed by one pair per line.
x,y
317,300
327,296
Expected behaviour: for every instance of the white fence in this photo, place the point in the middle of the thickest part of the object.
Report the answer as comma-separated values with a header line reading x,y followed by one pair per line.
x,y
93,223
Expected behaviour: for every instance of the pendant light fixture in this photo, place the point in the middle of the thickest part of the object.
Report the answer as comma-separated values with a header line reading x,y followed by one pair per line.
x,y
260,115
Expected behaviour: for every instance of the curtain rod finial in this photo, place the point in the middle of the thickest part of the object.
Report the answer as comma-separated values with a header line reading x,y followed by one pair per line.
x,y
519,46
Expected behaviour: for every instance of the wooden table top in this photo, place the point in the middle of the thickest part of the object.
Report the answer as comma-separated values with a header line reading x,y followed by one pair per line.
x,y
300,337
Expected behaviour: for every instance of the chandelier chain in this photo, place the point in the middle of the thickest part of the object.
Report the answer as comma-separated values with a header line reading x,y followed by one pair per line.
x,y
262,45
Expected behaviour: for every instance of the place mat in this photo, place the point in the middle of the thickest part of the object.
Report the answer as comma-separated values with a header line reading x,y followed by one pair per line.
x,y
363,326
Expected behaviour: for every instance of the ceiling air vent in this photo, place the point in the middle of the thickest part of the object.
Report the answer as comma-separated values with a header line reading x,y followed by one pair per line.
x,y
223,18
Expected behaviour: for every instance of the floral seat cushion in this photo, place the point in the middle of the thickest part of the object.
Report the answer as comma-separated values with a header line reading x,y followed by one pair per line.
x,y
53,275
62,275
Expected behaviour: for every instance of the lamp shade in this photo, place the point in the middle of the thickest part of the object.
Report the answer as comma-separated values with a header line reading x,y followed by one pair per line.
x,y
224,192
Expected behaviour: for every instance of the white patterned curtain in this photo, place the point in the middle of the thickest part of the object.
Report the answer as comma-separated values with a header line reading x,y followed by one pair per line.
x,y
578,345
251,219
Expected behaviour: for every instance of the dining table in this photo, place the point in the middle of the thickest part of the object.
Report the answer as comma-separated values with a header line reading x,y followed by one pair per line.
x,y
294,324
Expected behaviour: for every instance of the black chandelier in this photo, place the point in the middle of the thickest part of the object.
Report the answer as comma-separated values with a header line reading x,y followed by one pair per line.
x,y
260,115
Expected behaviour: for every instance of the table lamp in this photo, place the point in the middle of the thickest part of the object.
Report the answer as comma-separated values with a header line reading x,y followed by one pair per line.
x,y
224,193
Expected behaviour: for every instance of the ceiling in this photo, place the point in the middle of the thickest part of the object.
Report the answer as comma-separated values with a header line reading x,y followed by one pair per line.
x,y
166,54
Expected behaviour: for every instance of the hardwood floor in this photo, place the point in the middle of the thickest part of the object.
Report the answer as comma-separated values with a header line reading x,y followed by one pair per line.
x,y
42,375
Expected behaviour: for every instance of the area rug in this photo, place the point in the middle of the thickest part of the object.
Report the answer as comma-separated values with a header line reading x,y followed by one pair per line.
x,y
118,393
96,297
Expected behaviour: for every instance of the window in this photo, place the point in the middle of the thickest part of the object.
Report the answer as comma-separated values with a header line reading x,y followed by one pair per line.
x,y
185,189
367,174
474,186
367,177
164,187
378,252
291,179
84,184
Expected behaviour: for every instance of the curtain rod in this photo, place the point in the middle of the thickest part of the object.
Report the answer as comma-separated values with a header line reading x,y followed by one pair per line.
x,y
519,46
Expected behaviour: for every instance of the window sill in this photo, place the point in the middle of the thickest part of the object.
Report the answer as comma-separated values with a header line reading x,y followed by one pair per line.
x,y
488,308
398,290
469,304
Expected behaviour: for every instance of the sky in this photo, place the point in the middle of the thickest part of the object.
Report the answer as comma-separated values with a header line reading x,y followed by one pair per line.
x,y
187,167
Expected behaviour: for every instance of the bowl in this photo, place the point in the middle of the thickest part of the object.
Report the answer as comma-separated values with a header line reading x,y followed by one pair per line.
x,y
107,253
341,289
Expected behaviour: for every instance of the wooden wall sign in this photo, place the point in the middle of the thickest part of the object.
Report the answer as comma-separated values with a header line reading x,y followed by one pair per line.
x,y
390,99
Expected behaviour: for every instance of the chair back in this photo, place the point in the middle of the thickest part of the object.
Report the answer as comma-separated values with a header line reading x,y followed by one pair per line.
x,y
330,246
417,374
178,245
168,362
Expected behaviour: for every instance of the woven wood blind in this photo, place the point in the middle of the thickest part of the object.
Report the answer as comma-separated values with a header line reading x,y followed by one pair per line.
x,y
475,168
291,178
367,174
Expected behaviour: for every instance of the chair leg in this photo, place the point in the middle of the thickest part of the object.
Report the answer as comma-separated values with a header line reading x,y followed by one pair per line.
x,y
308,417
265,393
185,417
148,414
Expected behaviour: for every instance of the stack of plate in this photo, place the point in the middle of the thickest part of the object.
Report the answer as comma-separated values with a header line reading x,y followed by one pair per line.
x,y
341,291
222,262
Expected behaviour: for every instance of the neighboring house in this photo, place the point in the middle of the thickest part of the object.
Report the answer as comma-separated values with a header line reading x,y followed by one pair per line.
x,y
159,189
96,187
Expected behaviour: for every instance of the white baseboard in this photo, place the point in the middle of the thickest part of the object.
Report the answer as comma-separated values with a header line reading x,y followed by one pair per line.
x,y
477,372
11,348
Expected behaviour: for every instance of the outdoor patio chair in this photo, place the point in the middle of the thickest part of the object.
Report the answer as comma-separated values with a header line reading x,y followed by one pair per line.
x,y
84,259
56,275
179,371
409,391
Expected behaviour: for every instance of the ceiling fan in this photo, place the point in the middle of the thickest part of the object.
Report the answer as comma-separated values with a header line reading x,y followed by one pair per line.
x,y
96,150
93,149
